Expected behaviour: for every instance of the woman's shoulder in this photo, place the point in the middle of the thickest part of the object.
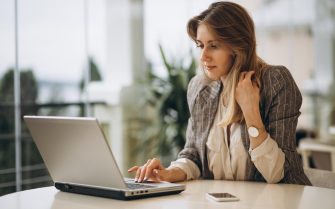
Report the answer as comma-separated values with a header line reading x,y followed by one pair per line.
x,y
201,85
200,79
199,82
276,75
278,79
276,72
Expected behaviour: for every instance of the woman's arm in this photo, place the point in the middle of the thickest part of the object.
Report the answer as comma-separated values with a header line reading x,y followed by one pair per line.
x,y
281,102
267,157
248,97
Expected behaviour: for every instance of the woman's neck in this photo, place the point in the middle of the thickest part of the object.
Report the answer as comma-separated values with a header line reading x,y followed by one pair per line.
x,y
223,79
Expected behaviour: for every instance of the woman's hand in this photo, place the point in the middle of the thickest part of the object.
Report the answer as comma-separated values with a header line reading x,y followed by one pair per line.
x,y
247,96
153,170
247,93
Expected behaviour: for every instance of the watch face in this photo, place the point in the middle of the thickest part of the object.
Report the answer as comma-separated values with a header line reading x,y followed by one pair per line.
x,y
253,131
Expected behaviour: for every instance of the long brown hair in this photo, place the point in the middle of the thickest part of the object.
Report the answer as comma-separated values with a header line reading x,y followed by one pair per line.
x,y
233,26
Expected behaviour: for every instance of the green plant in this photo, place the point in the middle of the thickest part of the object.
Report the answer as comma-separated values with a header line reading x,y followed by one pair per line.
x,y
167,95
28,97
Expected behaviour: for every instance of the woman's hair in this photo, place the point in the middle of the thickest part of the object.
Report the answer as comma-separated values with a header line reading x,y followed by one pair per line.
x,y
233,26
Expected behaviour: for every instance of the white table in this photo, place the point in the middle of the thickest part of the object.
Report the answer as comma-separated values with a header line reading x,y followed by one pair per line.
x,y
251,194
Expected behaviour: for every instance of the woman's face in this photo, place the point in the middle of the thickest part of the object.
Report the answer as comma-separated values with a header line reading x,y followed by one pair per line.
x,y
215,57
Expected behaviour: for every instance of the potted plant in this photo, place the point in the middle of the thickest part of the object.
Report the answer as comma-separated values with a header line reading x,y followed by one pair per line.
x,y
165,136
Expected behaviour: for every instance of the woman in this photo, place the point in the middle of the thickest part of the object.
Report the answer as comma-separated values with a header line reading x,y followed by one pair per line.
x,y
244,112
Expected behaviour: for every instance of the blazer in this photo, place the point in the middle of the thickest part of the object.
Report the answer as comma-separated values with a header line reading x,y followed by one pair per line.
x,y
280,101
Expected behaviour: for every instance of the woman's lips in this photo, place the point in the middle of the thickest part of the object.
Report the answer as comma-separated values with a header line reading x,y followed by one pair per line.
x,y
209,67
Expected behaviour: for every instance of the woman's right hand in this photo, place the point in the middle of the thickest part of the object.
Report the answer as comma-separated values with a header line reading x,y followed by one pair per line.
x,y
153,170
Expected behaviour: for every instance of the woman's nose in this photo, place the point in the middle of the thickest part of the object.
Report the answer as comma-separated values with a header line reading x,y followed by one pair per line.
x,y
204,56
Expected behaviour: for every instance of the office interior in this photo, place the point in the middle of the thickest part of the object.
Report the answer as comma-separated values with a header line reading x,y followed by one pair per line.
x,y
114,59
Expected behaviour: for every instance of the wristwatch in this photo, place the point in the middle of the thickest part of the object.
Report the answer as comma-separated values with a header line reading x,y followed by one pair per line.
x,y
254,132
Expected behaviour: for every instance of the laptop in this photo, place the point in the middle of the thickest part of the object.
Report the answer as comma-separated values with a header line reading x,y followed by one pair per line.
x,y
79,160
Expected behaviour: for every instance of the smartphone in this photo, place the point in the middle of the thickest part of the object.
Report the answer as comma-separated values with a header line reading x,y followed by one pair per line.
x,y
222,197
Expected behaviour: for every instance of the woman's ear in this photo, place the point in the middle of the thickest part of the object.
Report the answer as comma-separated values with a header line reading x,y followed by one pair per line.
x,y
233,55
233,59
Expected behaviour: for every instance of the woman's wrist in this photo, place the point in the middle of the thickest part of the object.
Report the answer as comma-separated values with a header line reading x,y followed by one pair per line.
x,y
256,141
250,109
253,118
176,174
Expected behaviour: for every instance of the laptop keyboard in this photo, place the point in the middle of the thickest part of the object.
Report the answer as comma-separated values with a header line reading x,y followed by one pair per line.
x,y
138,186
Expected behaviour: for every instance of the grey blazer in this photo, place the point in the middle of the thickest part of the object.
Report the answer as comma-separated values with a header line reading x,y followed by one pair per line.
x,y
280,101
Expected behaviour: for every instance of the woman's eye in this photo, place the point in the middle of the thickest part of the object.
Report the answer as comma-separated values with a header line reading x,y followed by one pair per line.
x,y
213,46
200,46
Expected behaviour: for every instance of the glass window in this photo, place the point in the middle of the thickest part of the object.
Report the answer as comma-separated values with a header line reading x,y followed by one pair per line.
x,y
53,56
7,124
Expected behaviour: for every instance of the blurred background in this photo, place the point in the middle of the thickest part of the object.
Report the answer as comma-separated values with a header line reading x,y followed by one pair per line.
x,y
128,62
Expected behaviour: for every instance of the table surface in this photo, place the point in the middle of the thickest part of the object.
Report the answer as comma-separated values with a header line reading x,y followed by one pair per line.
x,y
251,195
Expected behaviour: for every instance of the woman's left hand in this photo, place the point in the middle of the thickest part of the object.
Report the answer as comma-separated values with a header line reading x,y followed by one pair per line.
x,y
247,92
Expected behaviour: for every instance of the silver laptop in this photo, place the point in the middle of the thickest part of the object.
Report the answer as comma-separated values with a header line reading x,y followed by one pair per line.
x,y
79,159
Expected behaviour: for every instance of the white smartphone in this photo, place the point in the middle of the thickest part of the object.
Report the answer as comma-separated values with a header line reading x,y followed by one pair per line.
x,y
222,197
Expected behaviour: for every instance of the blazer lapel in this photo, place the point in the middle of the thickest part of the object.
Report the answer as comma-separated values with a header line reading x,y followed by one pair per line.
x,y
208,101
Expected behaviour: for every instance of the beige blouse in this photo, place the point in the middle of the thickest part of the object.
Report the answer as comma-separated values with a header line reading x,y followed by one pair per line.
x,y
229,162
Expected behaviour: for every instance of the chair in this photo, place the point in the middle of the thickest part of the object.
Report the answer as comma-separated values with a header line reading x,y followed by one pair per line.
x,y
324,148
321,178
